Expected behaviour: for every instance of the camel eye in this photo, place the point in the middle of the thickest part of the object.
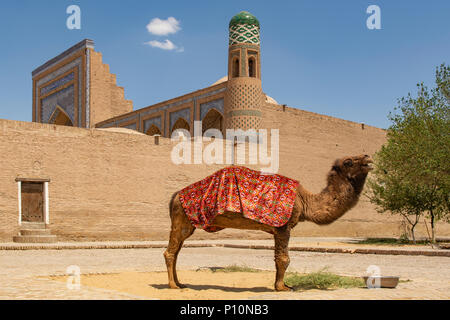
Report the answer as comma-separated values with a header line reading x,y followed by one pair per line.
x,y
348,163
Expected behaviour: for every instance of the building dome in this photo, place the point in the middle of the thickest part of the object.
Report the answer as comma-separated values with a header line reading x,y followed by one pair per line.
x,y
244,28
244,17
221,80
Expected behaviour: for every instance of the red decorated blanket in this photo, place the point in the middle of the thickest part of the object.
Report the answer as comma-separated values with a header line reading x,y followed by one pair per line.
x,y
266,198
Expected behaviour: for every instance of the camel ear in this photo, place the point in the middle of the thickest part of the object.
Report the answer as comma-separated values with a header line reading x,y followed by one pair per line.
x,y
336,168
348,163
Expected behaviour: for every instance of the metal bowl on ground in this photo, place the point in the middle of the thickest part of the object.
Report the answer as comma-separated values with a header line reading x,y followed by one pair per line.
x,y
383,281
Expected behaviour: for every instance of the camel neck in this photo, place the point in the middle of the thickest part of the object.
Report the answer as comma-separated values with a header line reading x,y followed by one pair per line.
x,y
339,196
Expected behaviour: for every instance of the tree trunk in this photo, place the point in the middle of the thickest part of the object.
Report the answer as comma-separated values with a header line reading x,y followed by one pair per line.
x,y
411,226
412,233
433,236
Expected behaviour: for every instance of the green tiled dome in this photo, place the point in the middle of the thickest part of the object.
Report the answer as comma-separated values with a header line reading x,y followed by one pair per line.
x,y
244,17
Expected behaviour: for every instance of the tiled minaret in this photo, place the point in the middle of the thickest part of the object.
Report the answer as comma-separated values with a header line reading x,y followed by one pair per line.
x,y
244,96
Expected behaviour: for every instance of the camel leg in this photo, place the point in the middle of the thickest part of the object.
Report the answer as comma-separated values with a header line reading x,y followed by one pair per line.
x,y
184,236
180,231
281,257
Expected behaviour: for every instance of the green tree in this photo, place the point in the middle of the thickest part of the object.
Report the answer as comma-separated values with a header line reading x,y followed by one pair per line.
x,y
412,170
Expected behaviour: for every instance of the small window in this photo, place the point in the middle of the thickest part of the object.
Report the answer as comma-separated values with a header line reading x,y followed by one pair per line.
x,y
251,68
236,68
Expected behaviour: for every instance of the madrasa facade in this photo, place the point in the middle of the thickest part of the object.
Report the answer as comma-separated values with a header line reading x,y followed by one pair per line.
x,y
91,168
77,89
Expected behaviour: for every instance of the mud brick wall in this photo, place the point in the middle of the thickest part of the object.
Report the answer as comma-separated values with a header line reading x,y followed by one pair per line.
x,y
107,99
116,186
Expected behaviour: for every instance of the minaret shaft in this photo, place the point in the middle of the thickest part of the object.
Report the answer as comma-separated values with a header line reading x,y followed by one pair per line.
x,y
244,96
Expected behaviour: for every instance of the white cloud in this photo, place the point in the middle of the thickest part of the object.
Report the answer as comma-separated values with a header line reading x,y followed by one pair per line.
x,y
163,27
166,45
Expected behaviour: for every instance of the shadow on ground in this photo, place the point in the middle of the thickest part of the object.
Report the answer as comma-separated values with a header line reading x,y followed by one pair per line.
x,y
215,287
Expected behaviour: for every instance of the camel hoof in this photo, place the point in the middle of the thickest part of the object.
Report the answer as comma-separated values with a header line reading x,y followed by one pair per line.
x,y
176,286
284,288
181,286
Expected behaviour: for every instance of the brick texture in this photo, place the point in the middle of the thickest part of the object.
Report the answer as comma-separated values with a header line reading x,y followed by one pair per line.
x,y
116,186
107,100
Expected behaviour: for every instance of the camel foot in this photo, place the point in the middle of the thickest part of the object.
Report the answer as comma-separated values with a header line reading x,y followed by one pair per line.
x,y
181,286
283,287
176,286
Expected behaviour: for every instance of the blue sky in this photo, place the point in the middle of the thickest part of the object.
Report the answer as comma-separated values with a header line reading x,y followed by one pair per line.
x,y
316,55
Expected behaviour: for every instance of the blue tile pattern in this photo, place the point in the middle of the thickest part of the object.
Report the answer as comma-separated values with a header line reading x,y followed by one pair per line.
x,y
58,83
130,126
88,87
132,117
183,113
153,121
48,109
215,104
63,98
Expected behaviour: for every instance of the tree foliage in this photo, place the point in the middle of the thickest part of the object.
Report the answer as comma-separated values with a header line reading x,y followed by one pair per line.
x,y
412,170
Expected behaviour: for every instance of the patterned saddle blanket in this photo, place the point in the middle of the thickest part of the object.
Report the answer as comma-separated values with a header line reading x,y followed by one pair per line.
x,y
265,198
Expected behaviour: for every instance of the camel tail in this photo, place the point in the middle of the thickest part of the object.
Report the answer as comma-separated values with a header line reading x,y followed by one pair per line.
x,y
172,199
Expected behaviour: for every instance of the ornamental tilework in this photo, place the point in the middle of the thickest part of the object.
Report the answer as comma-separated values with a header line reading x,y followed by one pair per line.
x,y
153,121
63,98
167,106
88,88
131,126
244,33
183,113
57,83
132,117
251,113
75,63
215,104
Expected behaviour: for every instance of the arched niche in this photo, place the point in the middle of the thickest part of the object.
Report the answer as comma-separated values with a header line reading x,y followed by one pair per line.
x,y
235,68
181,124
252,67
60,118
153,130
212,120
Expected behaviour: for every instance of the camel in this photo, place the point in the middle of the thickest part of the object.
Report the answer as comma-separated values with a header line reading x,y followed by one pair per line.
x,y
345,182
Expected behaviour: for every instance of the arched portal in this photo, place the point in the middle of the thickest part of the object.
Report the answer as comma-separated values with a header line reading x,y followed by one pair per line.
x,y
153,130
60,118
251,67
212,120
236,68
181,124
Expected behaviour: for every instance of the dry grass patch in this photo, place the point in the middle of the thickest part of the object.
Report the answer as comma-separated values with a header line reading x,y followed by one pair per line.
x,y
322,280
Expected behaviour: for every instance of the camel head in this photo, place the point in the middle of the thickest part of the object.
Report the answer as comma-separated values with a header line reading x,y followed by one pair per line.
x,y
353,168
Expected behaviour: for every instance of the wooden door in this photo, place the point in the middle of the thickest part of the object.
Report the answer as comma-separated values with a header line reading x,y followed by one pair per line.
x,y
32,202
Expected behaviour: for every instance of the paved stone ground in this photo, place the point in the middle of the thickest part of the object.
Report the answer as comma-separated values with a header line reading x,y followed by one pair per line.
x,y
20,271
313,242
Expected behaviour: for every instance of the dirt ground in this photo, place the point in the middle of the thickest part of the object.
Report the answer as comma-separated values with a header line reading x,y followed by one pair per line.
x,y
202,285
209,285
141,274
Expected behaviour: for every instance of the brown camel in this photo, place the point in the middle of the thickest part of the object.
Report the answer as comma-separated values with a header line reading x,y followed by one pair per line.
x,y
345,183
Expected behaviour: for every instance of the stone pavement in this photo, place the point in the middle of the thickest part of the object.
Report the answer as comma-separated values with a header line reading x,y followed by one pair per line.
x,y
22,272
308,244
